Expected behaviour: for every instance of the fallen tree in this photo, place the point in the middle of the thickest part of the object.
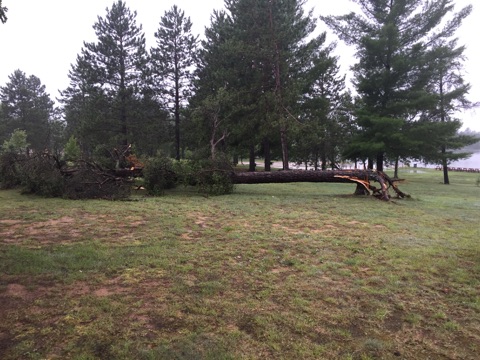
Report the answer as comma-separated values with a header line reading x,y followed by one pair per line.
x,y
46,175
362,178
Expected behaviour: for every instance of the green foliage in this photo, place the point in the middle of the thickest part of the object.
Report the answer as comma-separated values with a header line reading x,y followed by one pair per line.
x,y
159,175
41,175
173,60
403,52
264,58
186,170
27,106
108,101
72,150
213,176
17,143
44,175
9,170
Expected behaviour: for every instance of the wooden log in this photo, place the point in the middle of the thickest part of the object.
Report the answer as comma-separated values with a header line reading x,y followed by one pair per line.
x,y
359,177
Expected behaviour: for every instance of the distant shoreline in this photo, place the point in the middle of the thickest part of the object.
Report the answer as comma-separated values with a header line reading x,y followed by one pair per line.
x,y
472,162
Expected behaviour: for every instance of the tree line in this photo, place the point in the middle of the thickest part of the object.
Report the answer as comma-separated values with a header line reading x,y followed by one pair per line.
x,y
263,82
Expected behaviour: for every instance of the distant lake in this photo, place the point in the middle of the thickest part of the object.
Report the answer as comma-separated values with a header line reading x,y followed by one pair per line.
x,y
472,162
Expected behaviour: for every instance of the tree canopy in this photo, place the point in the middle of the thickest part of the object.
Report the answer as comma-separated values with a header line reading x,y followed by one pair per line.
x,y
394,41
25,105
263,82
173,61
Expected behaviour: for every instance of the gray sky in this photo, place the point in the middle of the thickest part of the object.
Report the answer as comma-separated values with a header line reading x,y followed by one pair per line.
x,y
43,38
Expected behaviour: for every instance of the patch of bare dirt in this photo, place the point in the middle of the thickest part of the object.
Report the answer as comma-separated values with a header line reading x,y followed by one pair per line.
x,y
18,231
16,290
394,322
10,222
68,229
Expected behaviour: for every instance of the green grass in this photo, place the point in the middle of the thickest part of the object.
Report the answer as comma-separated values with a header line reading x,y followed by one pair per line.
x,y
274,271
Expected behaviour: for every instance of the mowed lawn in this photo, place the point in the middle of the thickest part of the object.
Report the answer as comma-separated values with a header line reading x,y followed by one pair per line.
x,y
274,271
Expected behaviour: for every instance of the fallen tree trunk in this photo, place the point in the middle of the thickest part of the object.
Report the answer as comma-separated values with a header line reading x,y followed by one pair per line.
x,y
360,177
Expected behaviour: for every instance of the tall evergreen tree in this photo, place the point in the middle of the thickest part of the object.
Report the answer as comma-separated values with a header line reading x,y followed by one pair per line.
x,y
109,78
27,106
449,89
286,62
215,78
173,61
392,38
323,118
265,66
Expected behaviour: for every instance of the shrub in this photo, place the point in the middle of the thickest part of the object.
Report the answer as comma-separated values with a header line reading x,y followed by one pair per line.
x,y
41,175
72,150
10,176
214,177
17,143
159,175
186,171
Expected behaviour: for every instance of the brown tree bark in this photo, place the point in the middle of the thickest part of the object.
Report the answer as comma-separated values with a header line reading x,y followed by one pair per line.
x,y
362,178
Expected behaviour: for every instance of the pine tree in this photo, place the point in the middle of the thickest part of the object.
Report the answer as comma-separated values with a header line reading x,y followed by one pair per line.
x,y
27,106
321,134
285,61
449,88
392,39
215,77
173,61
108,80
263,60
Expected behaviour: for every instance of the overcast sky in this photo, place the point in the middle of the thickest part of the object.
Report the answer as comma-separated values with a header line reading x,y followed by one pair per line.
x,y
43,37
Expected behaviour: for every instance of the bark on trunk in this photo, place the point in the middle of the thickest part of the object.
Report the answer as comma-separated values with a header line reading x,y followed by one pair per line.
x,y
252,164
395,173
360,177
446,180
370,163
283,140
266,154
380,161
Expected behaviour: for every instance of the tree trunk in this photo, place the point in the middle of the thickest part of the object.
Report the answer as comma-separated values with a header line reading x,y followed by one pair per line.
x,y
360,190
266,154
252,164
395,173
360,177
177,126
324,160
370,163
380,161
446,180
283,140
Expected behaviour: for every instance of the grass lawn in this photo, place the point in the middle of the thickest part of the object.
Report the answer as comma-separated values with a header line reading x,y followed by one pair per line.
x,y
275,271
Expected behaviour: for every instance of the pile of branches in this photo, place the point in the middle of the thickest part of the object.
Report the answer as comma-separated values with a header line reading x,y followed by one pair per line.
x,y
88,180
46,175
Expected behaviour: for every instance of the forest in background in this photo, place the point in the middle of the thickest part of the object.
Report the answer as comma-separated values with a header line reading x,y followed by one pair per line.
x,y
259,85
